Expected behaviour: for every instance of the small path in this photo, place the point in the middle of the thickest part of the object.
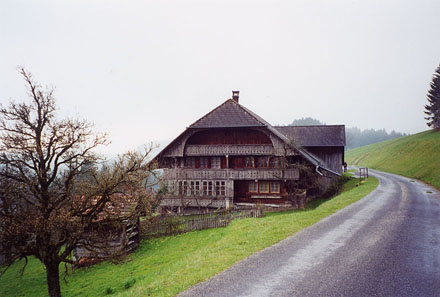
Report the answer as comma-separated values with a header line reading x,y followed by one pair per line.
x,y
386,244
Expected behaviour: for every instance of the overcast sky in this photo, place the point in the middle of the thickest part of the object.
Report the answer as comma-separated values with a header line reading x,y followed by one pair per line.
x,y
145,70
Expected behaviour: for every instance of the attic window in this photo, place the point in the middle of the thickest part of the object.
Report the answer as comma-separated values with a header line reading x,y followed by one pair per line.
x,y
250,162
215,162
203,162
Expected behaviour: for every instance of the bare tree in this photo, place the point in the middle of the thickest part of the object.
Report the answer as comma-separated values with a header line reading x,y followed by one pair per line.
x,y
54,191
297,190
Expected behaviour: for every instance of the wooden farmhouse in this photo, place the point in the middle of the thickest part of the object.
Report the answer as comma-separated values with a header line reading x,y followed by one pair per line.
x,y
231,156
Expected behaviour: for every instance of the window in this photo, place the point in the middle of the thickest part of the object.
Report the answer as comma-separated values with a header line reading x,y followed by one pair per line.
x,y
170,187
250,162
253,187
186,188
274,162
210,188
194,187
180,187
274,187
197,188
205,188
264,187
190,162
215,162
262,162
220,188
203,162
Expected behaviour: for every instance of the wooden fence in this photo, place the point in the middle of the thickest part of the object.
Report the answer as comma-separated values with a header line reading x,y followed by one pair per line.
x,y
176,225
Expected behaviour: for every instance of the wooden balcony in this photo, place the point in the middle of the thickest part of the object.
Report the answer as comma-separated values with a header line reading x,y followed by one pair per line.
x,y
193,202
230,174
228,149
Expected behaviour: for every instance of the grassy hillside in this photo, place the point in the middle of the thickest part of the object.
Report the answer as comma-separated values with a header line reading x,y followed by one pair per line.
x,y
416,156
168,265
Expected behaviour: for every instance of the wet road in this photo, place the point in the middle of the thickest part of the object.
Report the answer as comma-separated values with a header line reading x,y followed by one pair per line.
x,y
386,244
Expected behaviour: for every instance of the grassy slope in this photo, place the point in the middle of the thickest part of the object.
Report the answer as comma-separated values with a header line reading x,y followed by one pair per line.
x,y
415,156
168,265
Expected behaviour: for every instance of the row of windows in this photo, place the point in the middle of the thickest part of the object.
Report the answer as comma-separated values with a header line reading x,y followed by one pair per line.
x,y
264,187
234,162
197,187
203,162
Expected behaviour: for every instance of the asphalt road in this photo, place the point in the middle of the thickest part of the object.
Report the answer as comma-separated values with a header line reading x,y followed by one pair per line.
x,y
386,244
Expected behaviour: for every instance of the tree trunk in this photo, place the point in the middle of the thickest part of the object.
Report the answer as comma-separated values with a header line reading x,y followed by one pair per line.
x,y
53,279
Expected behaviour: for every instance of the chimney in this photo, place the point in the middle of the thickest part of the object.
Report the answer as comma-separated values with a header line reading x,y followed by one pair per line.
x,y
235,95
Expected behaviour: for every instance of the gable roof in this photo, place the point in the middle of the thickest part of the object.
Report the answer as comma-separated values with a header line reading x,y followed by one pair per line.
x,y
322,135
232,114
229,114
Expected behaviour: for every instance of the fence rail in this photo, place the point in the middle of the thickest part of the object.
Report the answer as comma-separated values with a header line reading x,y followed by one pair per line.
x,y
177,225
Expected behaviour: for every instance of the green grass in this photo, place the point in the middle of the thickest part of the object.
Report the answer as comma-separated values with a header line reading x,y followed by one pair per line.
x,y
416,156
168,265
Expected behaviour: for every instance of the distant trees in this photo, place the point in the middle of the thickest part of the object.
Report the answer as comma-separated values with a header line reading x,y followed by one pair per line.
x,y
356,137
54,189
306,122
432,109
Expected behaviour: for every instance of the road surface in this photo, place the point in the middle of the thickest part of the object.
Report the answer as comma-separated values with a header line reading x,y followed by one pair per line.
x,y
386,244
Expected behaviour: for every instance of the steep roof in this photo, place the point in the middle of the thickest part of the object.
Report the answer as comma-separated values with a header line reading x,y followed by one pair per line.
x,y
322,135
229,114
232,114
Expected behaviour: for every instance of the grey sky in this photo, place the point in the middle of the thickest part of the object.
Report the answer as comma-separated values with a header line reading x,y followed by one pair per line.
x,y
145,70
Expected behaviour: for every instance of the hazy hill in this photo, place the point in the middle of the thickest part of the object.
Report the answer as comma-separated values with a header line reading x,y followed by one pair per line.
x,y
415,156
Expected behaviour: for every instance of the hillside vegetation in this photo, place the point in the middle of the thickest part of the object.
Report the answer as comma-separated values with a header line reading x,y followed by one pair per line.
x,y
168,265
416,156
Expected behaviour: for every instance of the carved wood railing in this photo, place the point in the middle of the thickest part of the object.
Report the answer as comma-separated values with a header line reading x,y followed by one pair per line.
x,y
232,174
228,149
192,202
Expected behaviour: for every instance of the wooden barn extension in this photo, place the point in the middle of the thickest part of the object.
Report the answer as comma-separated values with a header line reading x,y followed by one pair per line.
x,y
231,155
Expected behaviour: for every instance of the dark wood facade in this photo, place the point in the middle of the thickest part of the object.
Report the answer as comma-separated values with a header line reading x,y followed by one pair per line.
x,y
232,155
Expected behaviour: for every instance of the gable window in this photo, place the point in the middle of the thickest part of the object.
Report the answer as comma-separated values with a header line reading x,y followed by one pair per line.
x,y
253,187
203,162
262,162
215,162
274,187
250,162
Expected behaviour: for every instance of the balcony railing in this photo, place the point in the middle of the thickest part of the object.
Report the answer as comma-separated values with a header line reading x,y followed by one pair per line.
x,y
193,202
231,174
228,149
